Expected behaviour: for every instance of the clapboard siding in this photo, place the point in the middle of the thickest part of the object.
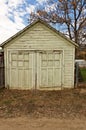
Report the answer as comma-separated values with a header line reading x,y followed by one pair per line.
x,y
42,37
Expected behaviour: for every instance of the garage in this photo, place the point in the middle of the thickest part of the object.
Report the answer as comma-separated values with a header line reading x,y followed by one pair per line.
x,y
39,57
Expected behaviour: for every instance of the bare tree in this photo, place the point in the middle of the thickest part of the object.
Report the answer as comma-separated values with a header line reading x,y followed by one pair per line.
x,y
70,14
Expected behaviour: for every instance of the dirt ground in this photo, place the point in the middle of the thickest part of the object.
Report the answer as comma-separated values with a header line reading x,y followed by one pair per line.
x,y
43,110
25,123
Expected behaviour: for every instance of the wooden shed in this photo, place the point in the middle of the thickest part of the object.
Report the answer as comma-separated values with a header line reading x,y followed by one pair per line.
x,y
39,57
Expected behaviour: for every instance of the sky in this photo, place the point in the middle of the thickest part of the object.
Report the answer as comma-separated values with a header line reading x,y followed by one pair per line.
x,y
14,15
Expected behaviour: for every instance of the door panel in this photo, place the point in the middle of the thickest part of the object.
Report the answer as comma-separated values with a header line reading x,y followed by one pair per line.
x,y
21,69
49,73
20,77
13,76
43,77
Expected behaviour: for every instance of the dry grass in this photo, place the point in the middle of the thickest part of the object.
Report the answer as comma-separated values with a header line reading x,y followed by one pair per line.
x,y
62,104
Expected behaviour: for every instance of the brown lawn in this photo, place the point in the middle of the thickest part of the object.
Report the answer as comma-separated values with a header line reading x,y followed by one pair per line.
x,y
43,110
56,104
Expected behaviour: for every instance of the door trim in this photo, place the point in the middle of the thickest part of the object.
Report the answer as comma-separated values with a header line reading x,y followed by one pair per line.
x,y
35,63
61,69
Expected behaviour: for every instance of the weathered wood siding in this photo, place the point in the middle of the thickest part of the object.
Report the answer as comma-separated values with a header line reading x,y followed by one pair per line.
x,y
39,37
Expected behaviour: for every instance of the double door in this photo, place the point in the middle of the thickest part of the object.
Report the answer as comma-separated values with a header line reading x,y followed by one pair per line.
x,y
35,69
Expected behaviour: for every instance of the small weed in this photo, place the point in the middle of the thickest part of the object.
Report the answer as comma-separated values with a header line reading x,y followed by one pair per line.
x,y
7,102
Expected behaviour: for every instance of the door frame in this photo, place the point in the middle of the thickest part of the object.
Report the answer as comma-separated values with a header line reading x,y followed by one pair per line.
x,y
62,69
35,53
9,68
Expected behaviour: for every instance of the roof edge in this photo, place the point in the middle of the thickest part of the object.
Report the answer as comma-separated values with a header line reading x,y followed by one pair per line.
x,y
33,23
58,32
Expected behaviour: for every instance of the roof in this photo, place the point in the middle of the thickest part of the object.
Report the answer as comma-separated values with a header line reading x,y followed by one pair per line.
x,y
33,23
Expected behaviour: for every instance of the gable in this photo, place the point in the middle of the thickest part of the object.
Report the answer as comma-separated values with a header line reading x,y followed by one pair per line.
x,y
39,32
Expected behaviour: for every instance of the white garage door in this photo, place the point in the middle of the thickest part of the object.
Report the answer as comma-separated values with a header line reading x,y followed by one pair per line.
x,y
35,69
21,69
49,73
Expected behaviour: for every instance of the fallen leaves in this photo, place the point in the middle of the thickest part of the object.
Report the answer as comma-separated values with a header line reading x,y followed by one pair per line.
x,y
55,104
